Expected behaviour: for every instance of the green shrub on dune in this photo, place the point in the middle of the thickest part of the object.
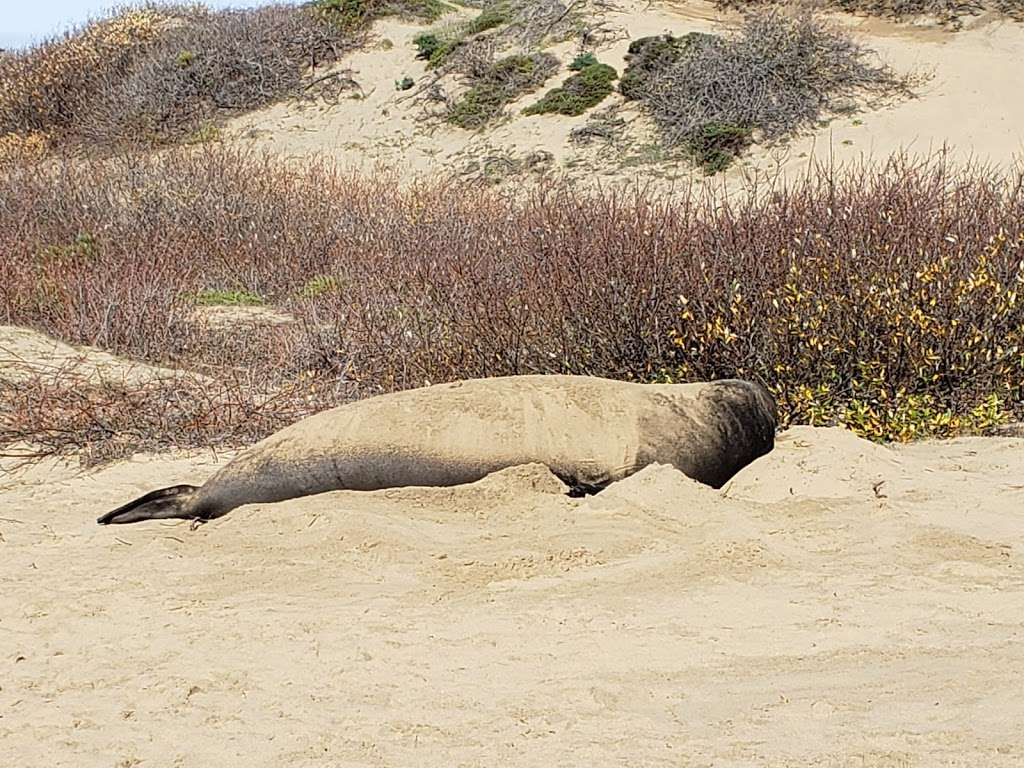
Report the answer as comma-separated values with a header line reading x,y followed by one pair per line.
x,y
580,92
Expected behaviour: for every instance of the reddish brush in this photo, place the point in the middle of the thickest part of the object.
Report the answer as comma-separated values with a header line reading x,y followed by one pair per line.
x,y
840,281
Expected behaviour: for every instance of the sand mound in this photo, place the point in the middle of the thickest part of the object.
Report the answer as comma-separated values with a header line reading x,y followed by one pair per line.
x,y
233,318
820,463
25,354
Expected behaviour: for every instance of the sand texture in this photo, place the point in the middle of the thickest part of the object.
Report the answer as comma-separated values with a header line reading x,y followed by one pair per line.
x,y
838,603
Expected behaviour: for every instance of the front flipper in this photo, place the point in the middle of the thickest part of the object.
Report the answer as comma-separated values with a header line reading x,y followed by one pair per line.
x,y
163,504
578,488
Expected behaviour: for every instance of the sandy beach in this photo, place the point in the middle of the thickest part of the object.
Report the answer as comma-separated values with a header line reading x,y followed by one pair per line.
x,y
838,603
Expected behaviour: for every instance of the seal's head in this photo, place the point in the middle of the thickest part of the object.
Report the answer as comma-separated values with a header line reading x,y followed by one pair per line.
x,y
175,501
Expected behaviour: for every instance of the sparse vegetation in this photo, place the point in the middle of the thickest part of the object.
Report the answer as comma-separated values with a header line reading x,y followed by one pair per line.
x,y
889,300
435,46
523,25
776,74
586,89
109,420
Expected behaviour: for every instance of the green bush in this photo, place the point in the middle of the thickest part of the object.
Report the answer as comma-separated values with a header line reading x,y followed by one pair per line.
x,y
579,93
427,44
504,81
492,16
583,61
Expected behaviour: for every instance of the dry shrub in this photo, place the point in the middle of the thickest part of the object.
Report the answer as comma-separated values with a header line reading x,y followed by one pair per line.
x,y
17,147
776,73
950,12
57,413
886,298
47,86
155,74
524,24
111,252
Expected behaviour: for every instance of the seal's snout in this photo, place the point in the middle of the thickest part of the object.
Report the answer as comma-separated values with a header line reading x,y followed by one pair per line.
x,y
165,503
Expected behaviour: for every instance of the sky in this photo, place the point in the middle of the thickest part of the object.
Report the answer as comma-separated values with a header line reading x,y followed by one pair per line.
x,y
23,22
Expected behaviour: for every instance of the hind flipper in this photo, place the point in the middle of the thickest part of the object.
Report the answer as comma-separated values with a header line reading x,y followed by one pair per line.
x,y
163,504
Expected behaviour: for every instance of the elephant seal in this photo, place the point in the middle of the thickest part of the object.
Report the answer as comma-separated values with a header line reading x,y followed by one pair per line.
x,y
589,431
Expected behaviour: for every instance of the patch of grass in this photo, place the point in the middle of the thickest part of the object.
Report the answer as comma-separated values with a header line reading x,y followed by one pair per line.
x,y
205,133
502,83
583,61
578,93
318,286
228,298
653,153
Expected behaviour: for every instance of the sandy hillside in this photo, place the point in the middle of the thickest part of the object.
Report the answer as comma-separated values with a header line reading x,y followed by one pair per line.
x,y
966,105
839,603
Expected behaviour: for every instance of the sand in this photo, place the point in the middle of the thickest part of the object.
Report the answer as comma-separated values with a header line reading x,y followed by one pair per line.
x,y
965,105
838,603
27,354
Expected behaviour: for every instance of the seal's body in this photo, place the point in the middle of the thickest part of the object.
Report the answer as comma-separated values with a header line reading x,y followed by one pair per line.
x,y
589,431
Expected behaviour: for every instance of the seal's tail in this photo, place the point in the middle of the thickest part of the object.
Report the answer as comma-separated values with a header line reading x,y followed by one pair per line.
x,y
155,505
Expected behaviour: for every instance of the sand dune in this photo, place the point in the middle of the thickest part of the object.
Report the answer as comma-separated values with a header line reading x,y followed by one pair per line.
x,y
26,354
964,104
838,604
